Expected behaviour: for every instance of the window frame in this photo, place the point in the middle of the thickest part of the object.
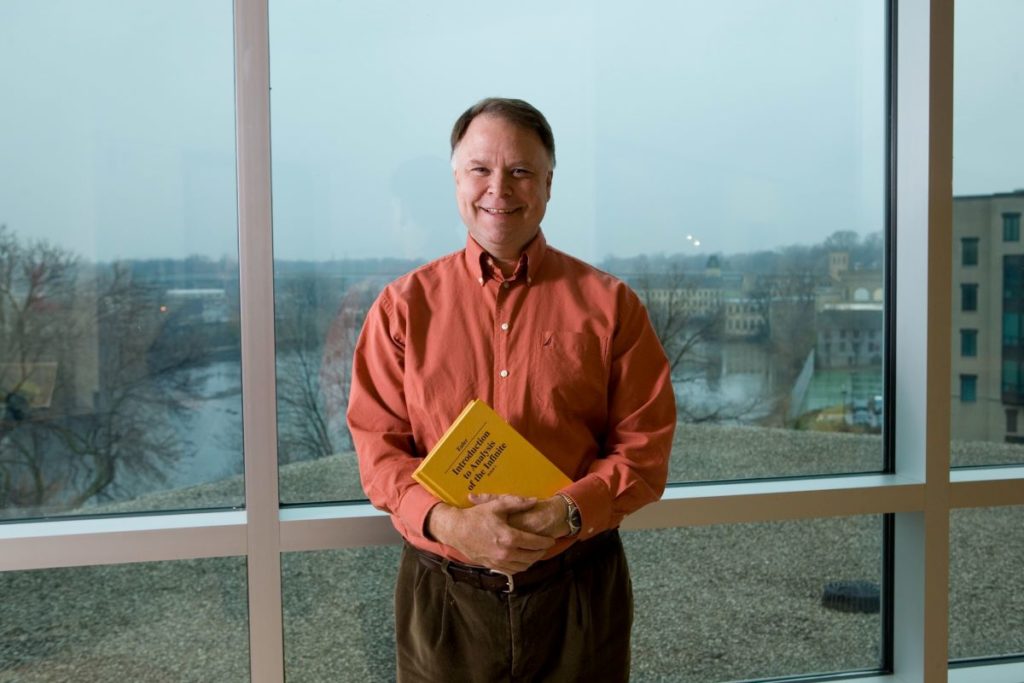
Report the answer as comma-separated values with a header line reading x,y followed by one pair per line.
x,y
968,342
917,495
1011,226
969,297
969,248
968,388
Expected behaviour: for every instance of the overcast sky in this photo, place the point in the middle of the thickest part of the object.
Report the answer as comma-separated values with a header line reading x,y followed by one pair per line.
x,y
746,124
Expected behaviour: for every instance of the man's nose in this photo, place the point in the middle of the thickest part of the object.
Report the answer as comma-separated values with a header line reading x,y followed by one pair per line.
x,y
500,184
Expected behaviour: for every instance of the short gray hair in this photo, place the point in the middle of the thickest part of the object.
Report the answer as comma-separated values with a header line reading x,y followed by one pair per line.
x,y
517,112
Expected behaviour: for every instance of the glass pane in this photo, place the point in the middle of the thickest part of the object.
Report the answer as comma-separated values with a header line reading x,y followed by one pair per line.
x,y
969,247
725,159
157,621
339,614
988,143
986,586
119,343
712,603
756,600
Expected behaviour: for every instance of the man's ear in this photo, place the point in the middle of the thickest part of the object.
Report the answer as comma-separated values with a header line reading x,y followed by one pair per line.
x,y
551,174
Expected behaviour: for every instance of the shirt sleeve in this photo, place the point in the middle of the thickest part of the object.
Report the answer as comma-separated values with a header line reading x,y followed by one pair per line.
x,y
633,468
378,419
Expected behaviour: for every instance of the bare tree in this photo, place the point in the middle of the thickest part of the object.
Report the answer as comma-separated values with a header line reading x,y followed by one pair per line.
x,y
690,329
680,322
108,409
315,344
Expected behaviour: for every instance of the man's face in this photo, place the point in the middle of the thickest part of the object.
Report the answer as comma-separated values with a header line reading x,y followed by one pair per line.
x,y
502,184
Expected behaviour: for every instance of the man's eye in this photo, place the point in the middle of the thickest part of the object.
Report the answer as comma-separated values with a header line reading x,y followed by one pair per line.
x,y
520,172
478,170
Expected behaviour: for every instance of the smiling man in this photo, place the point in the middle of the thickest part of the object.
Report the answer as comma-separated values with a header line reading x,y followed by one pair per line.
x,y
512,589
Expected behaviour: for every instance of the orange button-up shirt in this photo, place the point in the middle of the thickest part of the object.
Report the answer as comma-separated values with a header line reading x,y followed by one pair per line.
x,y
561,350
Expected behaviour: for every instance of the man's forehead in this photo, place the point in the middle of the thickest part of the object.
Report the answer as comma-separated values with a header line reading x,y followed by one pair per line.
x,y
494,133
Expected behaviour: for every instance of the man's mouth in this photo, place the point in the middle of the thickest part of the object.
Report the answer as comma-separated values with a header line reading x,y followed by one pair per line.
x,y
498,212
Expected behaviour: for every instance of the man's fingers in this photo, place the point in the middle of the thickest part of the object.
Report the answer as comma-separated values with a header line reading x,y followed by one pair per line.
x,y
518,562
482,498
511,504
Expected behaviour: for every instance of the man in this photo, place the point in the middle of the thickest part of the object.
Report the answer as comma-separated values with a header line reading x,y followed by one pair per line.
x,y
512,588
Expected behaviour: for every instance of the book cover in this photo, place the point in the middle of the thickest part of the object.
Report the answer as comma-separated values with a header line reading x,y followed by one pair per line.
x,y
482,453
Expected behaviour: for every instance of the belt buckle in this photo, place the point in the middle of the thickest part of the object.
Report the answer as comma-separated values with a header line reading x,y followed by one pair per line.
x,y
510,585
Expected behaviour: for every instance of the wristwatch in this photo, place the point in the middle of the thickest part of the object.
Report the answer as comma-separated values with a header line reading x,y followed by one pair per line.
x,y
572,515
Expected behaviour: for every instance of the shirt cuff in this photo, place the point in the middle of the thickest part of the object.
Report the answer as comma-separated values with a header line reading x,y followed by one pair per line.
x,y
413,510
595,504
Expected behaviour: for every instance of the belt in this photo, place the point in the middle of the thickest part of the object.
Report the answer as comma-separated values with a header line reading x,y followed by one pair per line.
x,y
538,573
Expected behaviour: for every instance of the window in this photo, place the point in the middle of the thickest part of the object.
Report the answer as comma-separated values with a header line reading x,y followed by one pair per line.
x,y
968,388
58,53
968,343
790,577
1011,227
1013,381
1011,420
120,372
146,621
1013,282
983,601
969,251
968,297
326,277
1013,331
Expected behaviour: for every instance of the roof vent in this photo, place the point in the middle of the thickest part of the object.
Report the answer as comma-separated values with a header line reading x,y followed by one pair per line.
x,y
852,596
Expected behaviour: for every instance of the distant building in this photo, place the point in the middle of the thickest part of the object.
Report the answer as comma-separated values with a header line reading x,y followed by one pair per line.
x,y
744,318
849,316
838,263
201,305
705,295
849,335
988,318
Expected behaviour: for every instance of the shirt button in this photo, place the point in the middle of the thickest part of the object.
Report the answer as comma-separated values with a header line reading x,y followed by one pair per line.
x,y
506,285
503,373
504,326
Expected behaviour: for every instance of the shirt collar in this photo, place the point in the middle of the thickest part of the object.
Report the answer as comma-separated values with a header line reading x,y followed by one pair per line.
x,y
478,260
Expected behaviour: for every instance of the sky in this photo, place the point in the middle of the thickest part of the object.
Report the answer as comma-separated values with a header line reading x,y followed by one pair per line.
x,y
744,124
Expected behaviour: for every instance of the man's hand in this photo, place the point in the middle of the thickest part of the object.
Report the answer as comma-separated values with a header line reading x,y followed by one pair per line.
x,y
483,534
547,518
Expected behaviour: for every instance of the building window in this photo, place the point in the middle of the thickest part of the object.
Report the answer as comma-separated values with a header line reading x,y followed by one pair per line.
x,y
969,251
968,297
1011,227
968,388
1011,329
1011,420
1013,282
968,343
1013,382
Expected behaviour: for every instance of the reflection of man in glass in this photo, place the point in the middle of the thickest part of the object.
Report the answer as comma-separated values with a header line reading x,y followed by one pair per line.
x,y
512,588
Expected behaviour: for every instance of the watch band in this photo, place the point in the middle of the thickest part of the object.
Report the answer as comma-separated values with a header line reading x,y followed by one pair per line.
x,y
572,515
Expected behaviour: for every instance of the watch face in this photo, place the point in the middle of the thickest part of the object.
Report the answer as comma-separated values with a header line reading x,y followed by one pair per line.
x,y
574,519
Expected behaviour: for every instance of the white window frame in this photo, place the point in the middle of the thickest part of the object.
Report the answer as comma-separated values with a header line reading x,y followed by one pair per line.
x,y
920,494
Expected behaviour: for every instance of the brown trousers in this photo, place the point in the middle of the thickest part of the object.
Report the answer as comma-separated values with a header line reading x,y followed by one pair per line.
x,y
574,627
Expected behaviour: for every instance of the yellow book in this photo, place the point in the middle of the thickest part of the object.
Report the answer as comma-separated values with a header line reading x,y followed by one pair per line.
x,y
482,453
